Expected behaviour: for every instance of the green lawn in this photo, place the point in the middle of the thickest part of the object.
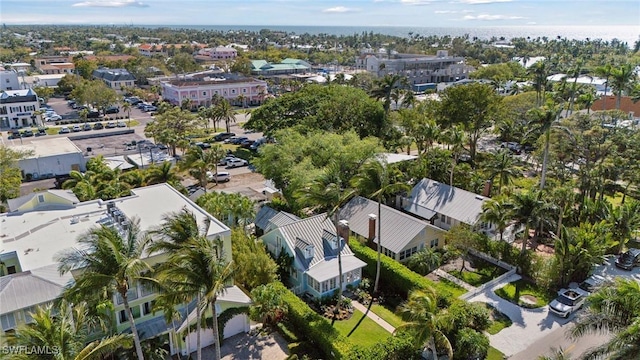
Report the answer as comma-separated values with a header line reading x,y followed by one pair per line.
x,y
387,315
494,354
484,273
367,332
455,290
499,320
514,291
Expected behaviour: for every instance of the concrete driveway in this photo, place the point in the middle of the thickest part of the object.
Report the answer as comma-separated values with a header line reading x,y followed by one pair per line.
x,y
529,325
250,346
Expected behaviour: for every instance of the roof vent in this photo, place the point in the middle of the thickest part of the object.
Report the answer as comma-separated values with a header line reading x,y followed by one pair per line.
x,y
478,197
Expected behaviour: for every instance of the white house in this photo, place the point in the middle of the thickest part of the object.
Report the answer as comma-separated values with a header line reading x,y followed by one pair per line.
x,y
9,80
18,108
48,157
44,224
115,78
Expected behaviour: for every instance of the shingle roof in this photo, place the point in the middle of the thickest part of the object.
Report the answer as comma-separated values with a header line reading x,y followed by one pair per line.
x,y
453,202
311,231
22,290
397,228
113,74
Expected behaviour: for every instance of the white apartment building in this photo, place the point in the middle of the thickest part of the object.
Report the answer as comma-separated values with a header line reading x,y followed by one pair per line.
x,y
201,88
9,80
41,225
18,109
419,69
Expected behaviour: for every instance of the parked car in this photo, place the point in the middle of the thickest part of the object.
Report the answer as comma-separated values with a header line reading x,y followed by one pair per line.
x,y
27,133
149,108
15,134
98,126
567,302
629,259
202,145
72,104
591,283
221,176
76,128
112,110
64,130
111,125
226,159
86,127
142,105
41,132
54,117
238,140
223,136
513,146
93,114
234,163
247,144
133,100
121,124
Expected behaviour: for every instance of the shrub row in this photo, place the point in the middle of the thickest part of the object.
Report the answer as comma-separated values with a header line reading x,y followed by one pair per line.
x,y
402,346
395,277
89,120
310,326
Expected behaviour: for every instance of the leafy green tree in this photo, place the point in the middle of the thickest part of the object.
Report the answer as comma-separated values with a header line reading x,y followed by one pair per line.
x,y
268,305
502,166
420,312
223,111
461,238
110,263
475,107
378,180
10,174
613,310
332,108
67,84
241,65
424,261
384,87
199,162
182,63
164,172
579,249
235,210
622,80
84,67
624,220
66,330
171,128
471,345
44,92
254,265
529,210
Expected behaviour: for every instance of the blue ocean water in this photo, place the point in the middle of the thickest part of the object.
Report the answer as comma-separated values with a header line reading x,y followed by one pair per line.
x,y
628,34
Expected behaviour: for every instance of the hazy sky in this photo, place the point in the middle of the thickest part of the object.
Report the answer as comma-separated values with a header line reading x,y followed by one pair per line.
x,y
446,13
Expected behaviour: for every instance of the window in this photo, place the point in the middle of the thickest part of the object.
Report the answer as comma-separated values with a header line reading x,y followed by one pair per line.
x,y
135,310
332,284
40,198
448,220
294,274
442,217
11,269
27,314
122,317
3,110
244,91
8,321
204,93
147,308
434,243
233,91
146,290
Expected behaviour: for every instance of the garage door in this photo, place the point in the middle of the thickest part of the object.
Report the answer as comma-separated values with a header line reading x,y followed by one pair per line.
x,y
206,339
237,324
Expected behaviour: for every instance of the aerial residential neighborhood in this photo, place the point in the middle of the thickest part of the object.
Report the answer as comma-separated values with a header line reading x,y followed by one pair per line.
x,y
276,193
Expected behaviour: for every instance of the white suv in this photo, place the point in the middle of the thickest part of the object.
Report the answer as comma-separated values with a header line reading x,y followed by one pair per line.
x,y
233,163
220,176
567,302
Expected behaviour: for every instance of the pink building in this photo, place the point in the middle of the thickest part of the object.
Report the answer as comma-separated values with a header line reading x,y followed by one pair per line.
x,y
220,53
200,90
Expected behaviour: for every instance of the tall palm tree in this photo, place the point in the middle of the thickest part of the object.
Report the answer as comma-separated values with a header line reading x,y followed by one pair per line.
x,y
502,166
527,206
83,185
163,173
454,137
126,106
383,89
605,72
328,192
172,236
497,212
199,267
378,180
111,263
543,120
622,79
574,73
224,112
587,99
421,313
624,220
613,310
198,162
67,330
539,73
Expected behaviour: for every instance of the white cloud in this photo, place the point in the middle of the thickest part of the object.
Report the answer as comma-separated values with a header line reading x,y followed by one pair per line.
x,y
476,2
110,3
490,17
416,2
532,23
338,9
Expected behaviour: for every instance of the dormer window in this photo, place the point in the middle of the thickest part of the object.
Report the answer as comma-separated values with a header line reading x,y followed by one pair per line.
x,y
308,252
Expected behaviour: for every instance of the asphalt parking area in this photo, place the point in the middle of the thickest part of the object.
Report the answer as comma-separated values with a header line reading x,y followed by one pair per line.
x,y
108,145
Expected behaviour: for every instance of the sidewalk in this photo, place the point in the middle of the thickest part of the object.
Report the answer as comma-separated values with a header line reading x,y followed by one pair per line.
x,y
378,320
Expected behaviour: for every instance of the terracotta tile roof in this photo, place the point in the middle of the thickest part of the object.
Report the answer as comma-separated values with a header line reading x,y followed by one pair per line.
x,y
626,104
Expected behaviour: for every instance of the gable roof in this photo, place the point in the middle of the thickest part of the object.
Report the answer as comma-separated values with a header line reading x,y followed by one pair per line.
x,y
22,290
429,198
397,228
268,218
67,196
113,74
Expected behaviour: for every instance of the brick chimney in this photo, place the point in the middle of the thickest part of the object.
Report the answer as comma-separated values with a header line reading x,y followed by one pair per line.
x,y
486,192
343,230
372,227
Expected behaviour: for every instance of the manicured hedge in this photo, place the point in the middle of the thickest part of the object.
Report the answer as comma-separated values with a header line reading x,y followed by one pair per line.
x,y
402,346
310,326
395,277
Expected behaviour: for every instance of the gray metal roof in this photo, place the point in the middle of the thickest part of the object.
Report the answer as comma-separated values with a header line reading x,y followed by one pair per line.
x,y
22,290
283,218
453,202
397,228
264,215
113,74
312,230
